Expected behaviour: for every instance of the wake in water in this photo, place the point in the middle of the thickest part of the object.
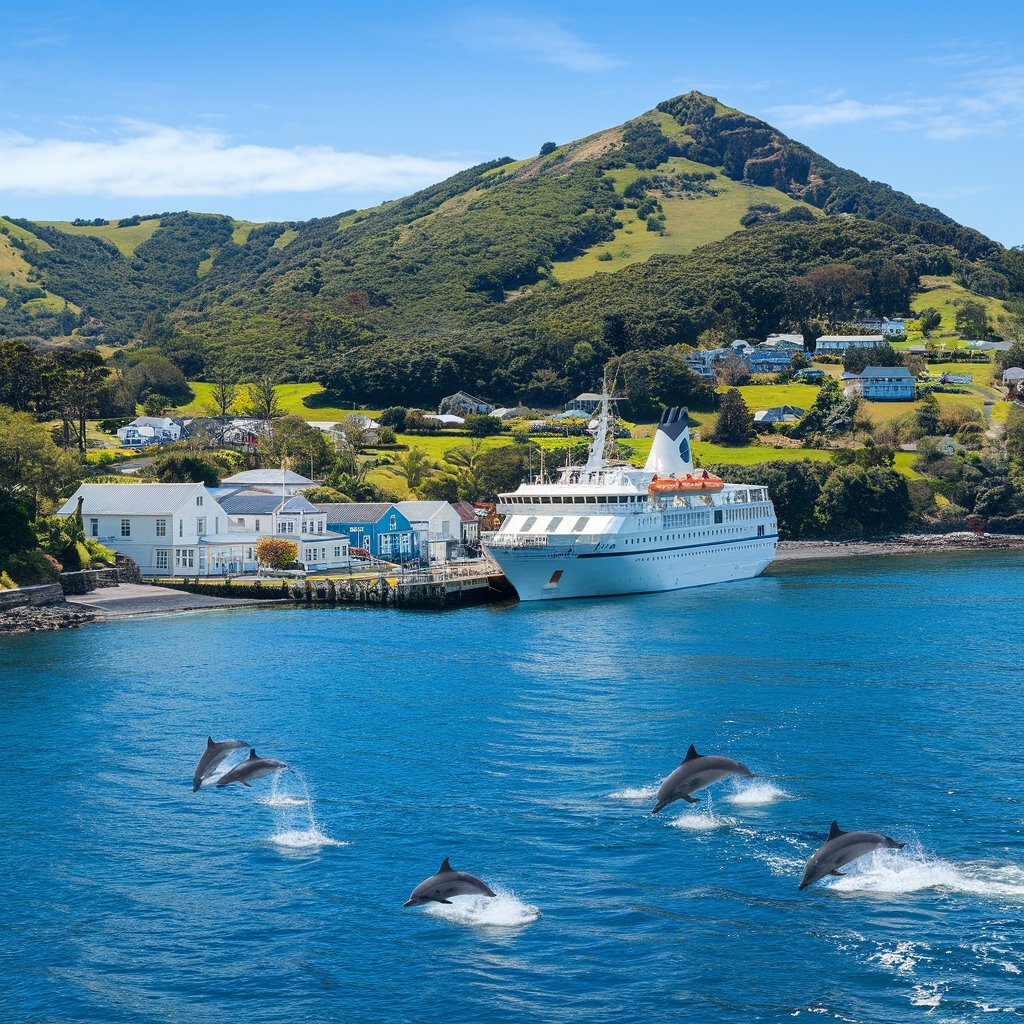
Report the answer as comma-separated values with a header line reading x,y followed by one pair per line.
x,y
912,870
635,793
295,817
758,794
505,910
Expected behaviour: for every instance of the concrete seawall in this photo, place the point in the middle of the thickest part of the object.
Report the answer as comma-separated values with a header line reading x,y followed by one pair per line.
x,y
31,597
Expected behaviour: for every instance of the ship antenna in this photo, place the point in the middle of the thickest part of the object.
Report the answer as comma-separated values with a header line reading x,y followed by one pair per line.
x,y
596,456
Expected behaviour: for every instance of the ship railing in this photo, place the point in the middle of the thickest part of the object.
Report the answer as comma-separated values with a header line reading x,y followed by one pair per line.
x,y
515,540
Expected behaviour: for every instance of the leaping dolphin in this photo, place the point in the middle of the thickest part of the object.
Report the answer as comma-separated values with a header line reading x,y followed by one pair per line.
x,y
842,847
697,771
438,888
212,757
254,767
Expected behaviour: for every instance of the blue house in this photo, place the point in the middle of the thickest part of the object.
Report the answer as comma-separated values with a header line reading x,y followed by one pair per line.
x,y
377,527
882,384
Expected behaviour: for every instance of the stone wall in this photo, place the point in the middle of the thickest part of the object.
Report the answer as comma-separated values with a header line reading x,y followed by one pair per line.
x,y
88,580
47,593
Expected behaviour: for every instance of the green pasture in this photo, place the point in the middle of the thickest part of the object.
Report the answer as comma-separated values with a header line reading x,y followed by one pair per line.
x,y
126,240
944,294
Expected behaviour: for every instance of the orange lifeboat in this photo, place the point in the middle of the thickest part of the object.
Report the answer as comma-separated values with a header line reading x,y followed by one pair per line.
x,y
688,484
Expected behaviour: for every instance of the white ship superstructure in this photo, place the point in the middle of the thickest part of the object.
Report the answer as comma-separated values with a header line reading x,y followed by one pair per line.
x,y
607,528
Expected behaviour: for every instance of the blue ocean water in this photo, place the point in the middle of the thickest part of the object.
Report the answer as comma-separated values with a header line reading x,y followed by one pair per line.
x,y
525,743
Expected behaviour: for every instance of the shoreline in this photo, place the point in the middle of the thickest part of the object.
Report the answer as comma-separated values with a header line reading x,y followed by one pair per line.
x,y
902,544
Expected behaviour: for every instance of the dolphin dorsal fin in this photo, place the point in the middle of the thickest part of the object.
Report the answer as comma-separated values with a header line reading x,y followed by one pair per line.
x,y
252,754
445,867
209,741
835,831
691,754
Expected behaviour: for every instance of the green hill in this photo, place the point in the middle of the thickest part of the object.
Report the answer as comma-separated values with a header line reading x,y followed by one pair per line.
x,y
517,278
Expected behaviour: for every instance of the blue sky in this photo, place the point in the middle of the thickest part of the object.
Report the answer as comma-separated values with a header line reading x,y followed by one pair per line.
x,y
289,111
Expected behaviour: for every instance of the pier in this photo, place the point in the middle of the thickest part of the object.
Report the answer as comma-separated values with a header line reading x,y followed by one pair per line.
x,y
443,587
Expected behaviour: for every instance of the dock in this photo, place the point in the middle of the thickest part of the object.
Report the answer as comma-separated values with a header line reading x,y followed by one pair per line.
x,y
442,587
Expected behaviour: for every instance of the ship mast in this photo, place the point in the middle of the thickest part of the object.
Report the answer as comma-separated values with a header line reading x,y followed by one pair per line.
x,y
596,458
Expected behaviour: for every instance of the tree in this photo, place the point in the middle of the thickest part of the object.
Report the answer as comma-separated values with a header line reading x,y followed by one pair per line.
x,y
926,416
929,318
393,417
178,467
856,358
548,147
292,438
415,466
153,405
478,425
972,320
859,502
32,467
225,389
651,380
504,469
733,370
264,403
276,553
325,495
735,426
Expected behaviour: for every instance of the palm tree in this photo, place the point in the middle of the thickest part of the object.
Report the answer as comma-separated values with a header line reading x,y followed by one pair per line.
x,y
415,466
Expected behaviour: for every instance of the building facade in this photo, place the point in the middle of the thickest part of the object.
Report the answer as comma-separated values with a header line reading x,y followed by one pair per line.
x,y
375,527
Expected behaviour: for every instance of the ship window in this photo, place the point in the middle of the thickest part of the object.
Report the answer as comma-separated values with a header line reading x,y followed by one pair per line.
x,y
555,523
528,525
581,524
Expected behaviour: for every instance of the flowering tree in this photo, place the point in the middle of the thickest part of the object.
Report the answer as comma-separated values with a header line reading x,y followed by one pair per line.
x,y
276,553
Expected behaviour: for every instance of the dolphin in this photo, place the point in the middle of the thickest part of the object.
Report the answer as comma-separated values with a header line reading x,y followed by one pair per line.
x,y
213,755
842,847
254,767
696,772
437,888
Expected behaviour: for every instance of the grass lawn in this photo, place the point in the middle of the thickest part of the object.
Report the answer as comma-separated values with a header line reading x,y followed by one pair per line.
x,y
688,222
944,294
766,396
295,399
126,240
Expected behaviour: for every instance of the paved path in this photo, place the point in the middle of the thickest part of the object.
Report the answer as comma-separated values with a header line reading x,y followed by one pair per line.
x,y
141,599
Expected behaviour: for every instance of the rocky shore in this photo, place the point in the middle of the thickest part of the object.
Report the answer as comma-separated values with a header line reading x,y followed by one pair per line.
x,y
903,544
44,619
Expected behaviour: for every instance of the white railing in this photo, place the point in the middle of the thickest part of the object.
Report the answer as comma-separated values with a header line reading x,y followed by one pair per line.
x,y
515,540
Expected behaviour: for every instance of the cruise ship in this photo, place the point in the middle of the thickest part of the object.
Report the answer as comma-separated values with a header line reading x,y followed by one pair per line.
x,y
607,528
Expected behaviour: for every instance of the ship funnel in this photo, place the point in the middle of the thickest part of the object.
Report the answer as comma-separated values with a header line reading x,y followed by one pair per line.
x,y
670,453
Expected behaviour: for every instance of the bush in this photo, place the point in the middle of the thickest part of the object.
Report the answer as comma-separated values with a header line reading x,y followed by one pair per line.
x,y
33,567
6,583
386,435
278,554
483,426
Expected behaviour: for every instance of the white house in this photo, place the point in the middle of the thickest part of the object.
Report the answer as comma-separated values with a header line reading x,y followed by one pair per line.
x,y
254,514
334,428
281,481
792,342
888,328
168,529
446,419
438,527
470,524
1013,375
837,344
145,430
463,404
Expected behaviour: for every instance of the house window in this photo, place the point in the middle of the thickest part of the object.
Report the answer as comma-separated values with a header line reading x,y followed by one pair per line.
x,y
385,543
393,523
337,551
94,527
319,526
126,527
181,527
199,499
404,543
201,526
184,558
161,558
161,529
257,526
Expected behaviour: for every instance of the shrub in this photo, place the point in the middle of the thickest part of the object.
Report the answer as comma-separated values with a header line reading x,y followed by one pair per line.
x,y
276,553
32,567
6,583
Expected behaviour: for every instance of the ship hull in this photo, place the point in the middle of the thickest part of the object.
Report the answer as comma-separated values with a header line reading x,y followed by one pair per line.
x,y
559,572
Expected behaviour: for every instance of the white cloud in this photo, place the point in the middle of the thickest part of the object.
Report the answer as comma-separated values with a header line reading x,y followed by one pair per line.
x,y
820,115
539,40
984,102
160,161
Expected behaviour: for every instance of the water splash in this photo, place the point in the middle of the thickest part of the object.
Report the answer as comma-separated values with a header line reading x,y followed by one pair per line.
x,y
898,872
282,797
297,829
758,794
505,910
703,819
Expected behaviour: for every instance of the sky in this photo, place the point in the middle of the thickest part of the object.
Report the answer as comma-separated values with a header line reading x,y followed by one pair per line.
x,y
277,111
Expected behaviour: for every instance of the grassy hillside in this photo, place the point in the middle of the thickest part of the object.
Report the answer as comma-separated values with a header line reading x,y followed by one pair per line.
x,y
125,239
945,295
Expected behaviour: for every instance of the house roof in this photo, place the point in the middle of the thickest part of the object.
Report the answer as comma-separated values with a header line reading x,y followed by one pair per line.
x,y
267,476
354,511
154,421
1013,373
465,511
132,499
886,371
421,511
863,339
254,503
